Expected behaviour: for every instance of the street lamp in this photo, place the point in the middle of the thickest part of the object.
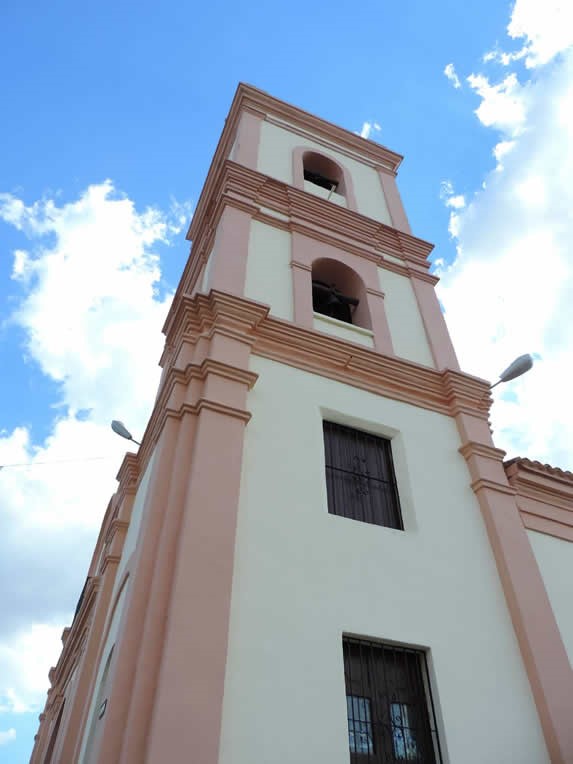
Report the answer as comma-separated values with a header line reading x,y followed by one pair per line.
x,y
521,364
120,429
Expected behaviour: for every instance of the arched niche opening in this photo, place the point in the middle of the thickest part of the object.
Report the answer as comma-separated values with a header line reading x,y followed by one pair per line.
x,y
323,172
339,292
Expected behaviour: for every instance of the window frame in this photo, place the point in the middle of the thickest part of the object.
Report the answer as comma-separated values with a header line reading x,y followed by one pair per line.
x,y
385,509
386,741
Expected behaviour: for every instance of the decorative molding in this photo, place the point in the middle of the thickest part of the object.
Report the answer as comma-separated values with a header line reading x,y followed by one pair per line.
x,y
248,98
481,449
59,675
492,485
445,391
128,477
302,266
544,496
252,191
109,559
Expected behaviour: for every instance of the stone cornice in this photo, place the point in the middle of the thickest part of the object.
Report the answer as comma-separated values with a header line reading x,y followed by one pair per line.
x,y
128,473
544,496
481,449
74,637
447,392
519,468
248,98
305,213
279,111
492,485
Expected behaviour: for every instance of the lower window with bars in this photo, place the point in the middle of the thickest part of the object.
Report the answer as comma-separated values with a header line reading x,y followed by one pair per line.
x,y
389,704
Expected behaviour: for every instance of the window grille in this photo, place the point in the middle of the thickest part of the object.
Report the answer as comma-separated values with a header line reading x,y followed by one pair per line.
x,y
390,710
360,478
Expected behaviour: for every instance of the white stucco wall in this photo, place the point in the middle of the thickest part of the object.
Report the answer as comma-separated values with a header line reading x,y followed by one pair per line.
x,y
275,159
343,330
555,559
269,275
404,319
324,193
303,577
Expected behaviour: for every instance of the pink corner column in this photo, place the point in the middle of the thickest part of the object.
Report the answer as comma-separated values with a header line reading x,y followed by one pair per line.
x,y
542,649
230,253
154,624
435,326
189,698
394,201
248,139
108,741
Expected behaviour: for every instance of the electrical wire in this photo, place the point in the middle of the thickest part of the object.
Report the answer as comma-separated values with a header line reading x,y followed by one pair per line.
x,y
57,461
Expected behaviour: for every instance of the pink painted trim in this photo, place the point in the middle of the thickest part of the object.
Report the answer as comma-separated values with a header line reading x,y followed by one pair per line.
x,y
394,201
382,336
302,294
437,333
107,744
305,252
188,705
248,139
298,176
544,496
153,628
231,251
543,524
79,709
542,649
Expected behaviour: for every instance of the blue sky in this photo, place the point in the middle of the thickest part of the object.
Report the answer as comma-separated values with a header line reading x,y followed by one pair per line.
x,y
110,116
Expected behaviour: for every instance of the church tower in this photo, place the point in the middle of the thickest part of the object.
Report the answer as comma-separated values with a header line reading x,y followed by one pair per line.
x,y
316,555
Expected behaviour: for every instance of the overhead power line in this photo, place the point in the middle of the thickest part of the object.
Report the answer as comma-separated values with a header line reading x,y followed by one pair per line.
x,y
56,461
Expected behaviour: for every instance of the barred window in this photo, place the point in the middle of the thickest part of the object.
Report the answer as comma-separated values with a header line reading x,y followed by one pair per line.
x,y
360,478
389,704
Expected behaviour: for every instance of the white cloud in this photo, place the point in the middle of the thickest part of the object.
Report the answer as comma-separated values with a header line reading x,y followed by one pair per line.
x,y
458,202
91,309
450,73
368,127
510,288
547,28
7,736
503,106
25,659
503,58
500,150
455,202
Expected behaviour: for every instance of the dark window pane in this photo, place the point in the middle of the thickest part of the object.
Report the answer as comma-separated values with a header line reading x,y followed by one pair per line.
x,y
360,476
360,737
389,706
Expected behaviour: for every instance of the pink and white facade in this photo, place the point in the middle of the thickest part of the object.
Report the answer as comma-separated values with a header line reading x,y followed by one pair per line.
x,y
223,587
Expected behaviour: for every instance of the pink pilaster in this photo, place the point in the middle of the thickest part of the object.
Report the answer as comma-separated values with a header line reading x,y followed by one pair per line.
x,y
229,268
188,704
434,324
394,201
248,139
540,642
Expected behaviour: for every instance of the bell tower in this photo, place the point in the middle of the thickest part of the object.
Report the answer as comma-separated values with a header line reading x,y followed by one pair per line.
x,y
316,555
314,204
